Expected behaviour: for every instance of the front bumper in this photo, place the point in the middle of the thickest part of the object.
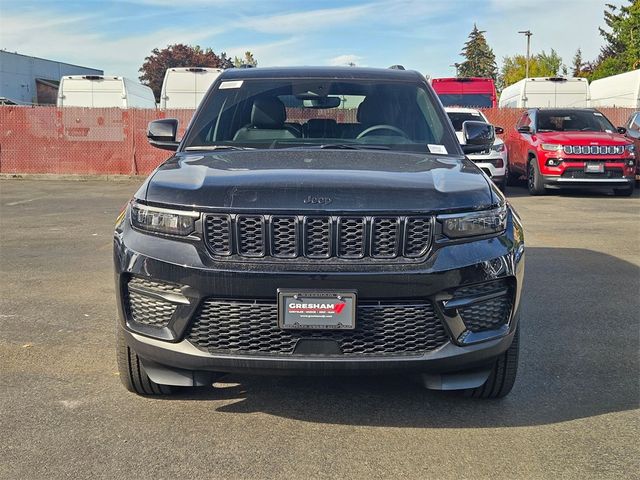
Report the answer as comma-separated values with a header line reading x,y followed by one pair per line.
x,y
557,181
487,163
447,268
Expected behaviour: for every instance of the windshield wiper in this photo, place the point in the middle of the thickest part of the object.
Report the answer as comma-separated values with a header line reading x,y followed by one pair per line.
x,y
217,147
337,146
348,146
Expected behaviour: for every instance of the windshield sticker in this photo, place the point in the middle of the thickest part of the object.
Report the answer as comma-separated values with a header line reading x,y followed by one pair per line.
x,y
234,84
437,149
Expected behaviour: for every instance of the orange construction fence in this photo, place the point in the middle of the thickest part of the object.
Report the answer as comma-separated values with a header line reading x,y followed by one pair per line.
x,y
113,141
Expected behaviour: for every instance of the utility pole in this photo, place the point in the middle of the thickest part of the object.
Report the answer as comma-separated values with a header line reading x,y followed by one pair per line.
x,y
528,34
457,66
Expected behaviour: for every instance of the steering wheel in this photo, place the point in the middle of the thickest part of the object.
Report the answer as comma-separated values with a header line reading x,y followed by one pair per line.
x,y
375,128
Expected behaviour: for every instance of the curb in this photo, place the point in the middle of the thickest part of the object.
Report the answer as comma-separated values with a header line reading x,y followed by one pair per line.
x,y
70,177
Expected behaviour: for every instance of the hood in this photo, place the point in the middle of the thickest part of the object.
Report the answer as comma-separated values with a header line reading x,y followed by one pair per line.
x,y
326,180
583,138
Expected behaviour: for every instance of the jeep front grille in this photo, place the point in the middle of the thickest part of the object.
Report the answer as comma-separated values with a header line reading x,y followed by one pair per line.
x,y
593,149
318,237
241,327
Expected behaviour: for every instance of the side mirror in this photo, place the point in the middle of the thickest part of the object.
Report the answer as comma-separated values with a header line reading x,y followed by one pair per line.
x,y
524,129
621,130
478,136
499,130
162,134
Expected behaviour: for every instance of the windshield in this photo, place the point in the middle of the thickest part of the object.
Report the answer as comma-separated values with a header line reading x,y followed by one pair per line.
x,y
573,121
325,113
466,100
458,118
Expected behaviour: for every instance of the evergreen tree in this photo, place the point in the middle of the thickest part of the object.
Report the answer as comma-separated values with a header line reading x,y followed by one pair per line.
x,y
479,58
577,64
247,60
621,51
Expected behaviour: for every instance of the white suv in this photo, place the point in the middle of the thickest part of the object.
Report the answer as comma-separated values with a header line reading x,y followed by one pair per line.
x,y
494,161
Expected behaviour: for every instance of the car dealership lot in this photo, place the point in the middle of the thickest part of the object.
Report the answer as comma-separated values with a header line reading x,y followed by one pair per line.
x,y
63,413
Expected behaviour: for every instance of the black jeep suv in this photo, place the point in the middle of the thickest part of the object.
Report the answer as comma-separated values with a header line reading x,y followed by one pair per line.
x,y
319,221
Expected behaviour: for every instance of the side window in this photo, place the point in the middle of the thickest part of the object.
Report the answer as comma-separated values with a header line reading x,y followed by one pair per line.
x,y
525,121
635,123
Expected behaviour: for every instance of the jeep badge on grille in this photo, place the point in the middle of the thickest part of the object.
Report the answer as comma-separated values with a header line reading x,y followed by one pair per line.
x,y
318,200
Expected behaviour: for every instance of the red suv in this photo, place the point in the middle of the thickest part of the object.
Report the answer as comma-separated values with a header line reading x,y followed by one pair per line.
x,y
558,148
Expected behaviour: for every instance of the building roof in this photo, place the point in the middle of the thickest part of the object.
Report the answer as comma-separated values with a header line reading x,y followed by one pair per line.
x,y
47,60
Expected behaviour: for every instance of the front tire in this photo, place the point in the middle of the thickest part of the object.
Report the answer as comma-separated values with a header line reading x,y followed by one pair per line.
x,y
132,373
535,184
503,375
505,180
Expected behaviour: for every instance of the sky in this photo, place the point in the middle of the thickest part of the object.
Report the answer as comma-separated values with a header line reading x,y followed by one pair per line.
x,y
423,35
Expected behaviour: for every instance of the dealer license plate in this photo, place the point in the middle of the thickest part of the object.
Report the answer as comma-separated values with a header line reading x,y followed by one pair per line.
x,y
592,167
316,310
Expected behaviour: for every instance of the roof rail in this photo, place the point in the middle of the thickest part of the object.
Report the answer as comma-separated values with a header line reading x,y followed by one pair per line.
x,y
397,67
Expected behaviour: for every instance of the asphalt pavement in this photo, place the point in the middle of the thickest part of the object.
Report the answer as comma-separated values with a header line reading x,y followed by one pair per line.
x,y
573,413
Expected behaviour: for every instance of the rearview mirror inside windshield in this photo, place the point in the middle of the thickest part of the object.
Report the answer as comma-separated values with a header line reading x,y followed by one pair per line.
x,y
321,102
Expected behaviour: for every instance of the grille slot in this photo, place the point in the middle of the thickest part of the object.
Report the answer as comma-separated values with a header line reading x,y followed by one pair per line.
x,y
229,327
308,238
218,234
284,237
385,240
418,236
251,237
351,234
317,237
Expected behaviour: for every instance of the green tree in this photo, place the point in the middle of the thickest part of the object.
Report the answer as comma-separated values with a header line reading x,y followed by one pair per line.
x,y
479,58
248,59
550,63
541,65
621,51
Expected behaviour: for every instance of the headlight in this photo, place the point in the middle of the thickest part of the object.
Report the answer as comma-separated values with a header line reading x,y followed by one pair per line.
x,y
162,220
474,223
631,150
498,147
551,147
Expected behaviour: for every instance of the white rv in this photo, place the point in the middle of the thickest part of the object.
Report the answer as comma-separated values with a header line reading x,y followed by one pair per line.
x,y
185,87
546,92
621,90
101,91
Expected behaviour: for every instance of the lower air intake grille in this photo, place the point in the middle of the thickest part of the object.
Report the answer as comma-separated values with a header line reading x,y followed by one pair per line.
x,y
144,303
228,327
489,314
579,173
149,310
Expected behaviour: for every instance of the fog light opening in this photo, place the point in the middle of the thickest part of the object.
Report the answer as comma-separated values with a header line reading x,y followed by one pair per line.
x,y
553,162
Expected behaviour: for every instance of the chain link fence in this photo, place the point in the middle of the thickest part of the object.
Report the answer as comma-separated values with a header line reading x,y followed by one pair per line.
x,y
112,141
